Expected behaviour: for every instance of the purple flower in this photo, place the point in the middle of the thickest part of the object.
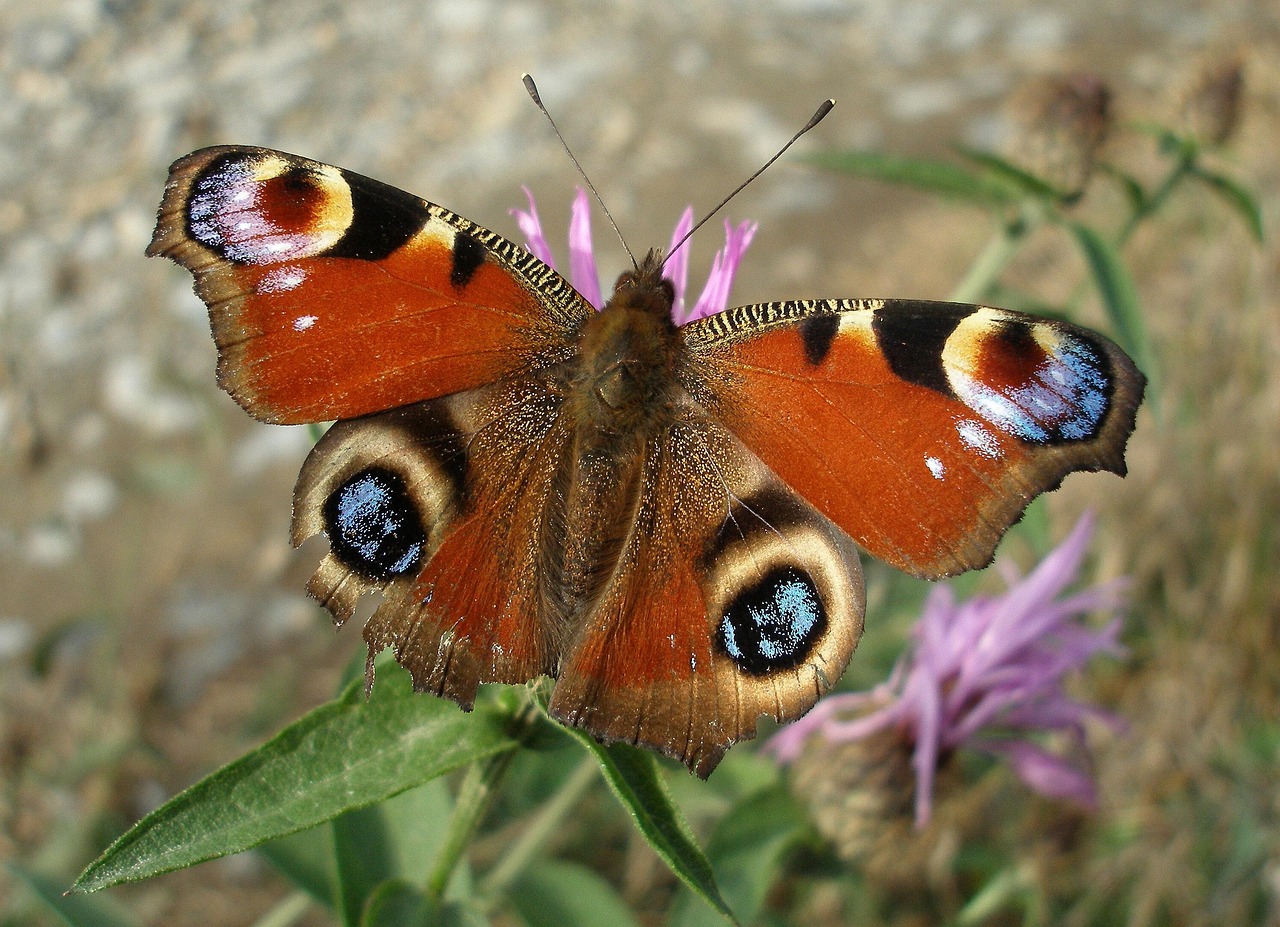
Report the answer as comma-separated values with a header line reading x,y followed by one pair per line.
x,y
582,260
987,674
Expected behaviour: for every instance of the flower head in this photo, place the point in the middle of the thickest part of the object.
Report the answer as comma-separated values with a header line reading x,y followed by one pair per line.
x,y
1064,123
1211,107
986,674
586,279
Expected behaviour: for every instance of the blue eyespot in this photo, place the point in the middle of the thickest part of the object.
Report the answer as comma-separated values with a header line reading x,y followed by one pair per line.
x,y
774,624
373,525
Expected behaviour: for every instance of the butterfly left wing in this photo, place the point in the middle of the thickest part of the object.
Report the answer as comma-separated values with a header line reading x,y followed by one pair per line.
x,y
731,598
921,428
332,295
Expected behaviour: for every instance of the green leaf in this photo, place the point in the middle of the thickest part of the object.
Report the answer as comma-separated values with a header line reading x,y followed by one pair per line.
x,y
1119,296
1133,190
363,859
397,903
931,176
559,894
746,850
306,860
634,778
1236,196
1013,175
396,839
344,755
72,910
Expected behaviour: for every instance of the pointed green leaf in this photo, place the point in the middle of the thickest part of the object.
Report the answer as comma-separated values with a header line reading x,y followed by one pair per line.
x,y
397,903
1119,296
362,858
306,860
634,778
1236,196
72,910
1012,175
559,894
931,176
746,850
398,838
344,755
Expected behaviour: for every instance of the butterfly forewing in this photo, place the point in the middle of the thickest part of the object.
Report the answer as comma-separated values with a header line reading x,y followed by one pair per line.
x,y
923,429
332,295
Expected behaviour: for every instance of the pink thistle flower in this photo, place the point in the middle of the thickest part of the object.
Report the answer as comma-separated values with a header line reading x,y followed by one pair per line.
x,y
987,674
586,279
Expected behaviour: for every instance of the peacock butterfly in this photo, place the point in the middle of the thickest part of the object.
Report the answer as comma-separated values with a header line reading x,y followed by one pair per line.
x,y
661,517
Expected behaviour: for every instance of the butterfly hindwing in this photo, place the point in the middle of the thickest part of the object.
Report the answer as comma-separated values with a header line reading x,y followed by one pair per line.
x,y
732,598
332,295
923,429
448,508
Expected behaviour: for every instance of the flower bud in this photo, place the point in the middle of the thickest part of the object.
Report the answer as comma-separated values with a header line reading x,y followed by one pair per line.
x,y
1063,122
1211,102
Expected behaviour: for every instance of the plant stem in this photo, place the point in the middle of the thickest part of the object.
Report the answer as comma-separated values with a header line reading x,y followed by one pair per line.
x,y
535,836
1181,169
995,257
287,913
474,798
1184,165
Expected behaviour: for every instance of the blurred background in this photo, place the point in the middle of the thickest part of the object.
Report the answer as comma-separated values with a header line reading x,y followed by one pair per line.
x,y
153,624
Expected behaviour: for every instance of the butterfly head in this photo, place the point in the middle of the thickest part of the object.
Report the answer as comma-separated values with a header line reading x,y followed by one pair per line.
x,y
644,289
627,352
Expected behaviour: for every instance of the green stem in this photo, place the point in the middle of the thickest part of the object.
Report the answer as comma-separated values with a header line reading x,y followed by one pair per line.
x,y
995,257
477,793
287,913
1181,169
540,829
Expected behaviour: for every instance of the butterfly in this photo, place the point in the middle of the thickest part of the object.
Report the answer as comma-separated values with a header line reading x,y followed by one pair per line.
x,y
666,519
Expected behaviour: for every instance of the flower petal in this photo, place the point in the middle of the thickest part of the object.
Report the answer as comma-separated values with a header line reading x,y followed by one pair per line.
x,y
582,259
715,295
1045,772
677,268
531,228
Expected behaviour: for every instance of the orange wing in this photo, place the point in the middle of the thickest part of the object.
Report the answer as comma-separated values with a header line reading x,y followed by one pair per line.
x,y
923,429
732,598
332,295
448,508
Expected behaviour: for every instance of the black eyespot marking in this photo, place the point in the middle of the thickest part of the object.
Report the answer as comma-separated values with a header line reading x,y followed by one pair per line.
x,y
383,219
818,332
912,341
468,255
774,624
373,525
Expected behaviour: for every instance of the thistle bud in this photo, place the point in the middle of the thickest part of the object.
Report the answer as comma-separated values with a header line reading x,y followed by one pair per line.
x,y
861,797
1211,102
1063,123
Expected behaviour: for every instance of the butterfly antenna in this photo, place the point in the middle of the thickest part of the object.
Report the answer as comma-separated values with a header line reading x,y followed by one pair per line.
x,y
818,115
530,86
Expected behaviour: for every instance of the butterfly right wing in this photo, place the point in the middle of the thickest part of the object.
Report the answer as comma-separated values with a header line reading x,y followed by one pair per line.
x,y
451,509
